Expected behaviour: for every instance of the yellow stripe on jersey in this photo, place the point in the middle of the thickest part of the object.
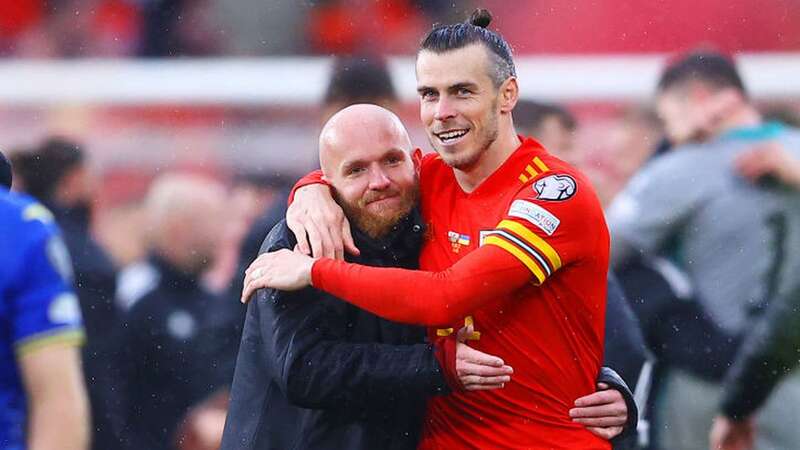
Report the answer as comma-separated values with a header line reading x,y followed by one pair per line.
x,y
63,336
519,254
531,238
523,178
531,171
541,165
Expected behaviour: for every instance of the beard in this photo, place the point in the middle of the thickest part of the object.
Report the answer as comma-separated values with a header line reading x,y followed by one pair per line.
x,y
377,223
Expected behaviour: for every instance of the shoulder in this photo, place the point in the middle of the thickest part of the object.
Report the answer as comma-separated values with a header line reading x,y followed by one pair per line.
x,y
279,237
432,166
553,183
23,214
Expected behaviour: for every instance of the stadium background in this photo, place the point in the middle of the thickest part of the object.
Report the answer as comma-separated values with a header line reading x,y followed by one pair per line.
x,y
231,88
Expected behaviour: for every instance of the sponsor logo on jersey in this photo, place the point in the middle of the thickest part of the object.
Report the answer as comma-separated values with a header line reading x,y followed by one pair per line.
x,y
536,215
555,187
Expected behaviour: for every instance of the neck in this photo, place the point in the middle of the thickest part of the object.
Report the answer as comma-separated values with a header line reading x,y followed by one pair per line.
x,y
746,116
469,178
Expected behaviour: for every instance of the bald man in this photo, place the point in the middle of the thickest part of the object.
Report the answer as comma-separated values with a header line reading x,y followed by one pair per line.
x,y
316,373
169,345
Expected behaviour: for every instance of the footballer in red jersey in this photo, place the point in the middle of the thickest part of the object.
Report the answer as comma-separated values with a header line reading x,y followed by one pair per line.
x,y
517,249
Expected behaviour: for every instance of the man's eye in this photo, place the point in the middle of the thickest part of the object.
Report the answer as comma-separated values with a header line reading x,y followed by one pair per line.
x,y
428,95
355,170
464,92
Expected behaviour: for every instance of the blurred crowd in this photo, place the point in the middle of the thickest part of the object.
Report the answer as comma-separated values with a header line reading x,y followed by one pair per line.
x,y
168,28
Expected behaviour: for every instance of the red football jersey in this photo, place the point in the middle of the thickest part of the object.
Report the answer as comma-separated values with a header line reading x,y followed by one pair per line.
x,y
546,214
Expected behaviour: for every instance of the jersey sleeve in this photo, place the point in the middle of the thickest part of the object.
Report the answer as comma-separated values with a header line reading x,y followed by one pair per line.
x,y
46,311
553,221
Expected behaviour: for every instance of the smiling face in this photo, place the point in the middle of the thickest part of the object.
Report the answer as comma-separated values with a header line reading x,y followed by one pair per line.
x,y
458,103
365,154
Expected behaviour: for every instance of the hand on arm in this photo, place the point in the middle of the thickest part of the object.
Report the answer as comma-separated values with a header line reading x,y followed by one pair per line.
x,y
58,409
770,159
318,222
416,297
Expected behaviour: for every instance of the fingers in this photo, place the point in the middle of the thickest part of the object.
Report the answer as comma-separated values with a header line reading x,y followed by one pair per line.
x,y
484,387
349,243
605,433
315,238
465,368
470,355
600,398
251,285
607,421
300,234
476,380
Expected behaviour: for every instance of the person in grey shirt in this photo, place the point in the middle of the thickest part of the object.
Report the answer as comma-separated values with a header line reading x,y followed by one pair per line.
x,y
772,349
730,236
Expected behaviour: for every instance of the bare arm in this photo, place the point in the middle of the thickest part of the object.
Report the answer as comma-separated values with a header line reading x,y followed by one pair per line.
x,y
58,409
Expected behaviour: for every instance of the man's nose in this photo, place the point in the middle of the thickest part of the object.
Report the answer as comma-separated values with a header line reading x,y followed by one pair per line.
x,y
444,110
378,179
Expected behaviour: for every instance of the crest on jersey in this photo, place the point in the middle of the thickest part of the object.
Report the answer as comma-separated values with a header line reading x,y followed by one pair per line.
x,y
457,240
555,187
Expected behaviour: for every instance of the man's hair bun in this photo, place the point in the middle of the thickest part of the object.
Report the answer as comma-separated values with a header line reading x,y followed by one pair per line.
x,y
480,18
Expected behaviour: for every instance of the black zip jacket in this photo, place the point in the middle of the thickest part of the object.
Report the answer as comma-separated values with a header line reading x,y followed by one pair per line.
x,y
314,372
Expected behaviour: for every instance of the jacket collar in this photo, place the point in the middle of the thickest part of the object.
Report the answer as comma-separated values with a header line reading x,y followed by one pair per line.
x,y
402,242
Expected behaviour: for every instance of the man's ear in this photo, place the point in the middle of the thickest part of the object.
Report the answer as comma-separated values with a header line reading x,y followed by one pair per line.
x,y
509,95
416,156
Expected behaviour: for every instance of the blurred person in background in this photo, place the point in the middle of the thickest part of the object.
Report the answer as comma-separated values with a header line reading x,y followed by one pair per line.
x,y
550,124
171,345
58,175
674,208
43,403
770,351
625,348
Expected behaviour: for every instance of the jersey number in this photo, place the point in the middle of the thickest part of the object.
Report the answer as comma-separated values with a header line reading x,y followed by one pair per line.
x,y
474,336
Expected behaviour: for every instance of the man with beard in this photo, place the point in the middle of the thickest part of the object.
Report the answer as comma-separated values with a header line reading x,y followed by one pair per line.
x,y
516,247
317,373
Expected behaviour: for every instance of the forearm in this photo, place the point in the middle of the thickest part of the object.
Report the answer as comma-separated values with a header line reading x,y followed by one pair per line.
x,y
768,354
419,297
60,423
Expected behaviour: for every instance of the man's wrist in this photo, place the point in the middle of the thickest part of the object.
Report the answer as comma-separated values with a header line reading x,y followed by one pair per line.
x,y
444,349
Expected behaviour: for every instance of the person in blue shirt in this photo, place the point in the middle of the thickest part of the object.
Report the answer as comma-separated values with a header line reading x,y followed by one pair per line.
x,y
43,401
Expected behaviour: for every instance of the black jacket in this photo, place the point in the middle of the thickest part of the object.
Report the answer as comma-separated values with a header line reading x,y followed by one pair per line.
x,y
769,353
314,372
169,358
